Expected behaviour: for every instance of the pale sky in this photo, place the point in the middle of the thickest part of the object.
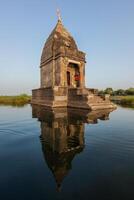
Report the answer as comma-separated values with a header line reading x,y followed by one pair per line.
x,y
104,30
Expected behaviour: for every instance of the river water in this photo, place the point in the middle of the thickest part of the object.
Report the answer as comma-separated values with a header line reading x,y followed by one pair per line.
x,y
66,154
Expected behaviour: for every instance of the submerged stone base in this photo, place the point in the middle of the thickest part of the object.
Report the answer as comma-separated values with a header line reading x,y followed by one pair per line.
x,y
82,98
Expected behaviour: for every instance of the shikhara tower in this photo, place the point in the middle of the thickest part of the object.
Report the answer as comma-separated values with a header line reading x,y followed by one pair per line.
x,y
61,61
62,69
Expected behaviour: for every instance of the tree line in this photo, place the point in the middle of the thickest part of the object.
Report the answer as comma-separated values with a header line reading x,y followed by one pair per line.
x,y
120,92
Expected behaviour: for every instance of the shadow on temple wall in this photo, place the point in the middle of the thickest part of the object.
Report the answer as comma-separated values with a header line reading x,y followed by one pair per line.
x,y
62,136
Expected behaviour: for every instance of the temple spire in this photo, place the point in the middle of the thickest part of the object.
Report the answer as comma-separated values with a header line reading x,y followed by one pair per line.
x,y
59,14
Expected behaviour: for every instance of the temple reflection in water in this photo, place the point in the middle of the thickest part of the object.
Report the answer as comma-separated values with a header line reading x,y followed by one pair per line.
x,y
62,136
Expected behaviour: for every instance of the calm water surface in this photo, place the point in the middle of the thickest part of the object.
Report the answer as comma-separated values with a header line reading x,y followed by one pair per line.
x,y
66,155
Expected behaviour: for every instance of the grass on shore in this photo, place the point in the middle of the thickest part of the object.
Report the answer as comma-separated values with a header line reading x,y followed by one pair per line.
x,y
123,100
19,100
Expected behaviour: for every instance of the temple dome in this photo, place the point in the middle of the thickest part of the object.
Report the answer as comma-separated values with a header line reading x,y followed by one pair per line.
x,y
58,40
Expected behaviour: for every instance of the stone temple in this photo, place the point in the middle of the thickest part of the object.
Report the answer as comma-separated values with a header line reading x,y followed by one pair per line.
x,y
62,71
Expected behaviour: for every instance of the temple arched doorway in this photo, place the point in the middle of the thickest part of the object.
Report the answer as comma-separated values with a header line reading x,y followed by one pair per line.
x,y
73,75
68,78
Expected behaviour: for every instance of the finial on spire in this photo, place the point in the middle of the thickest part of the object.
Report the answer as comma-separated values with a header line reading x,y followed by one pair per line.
x,y
59,14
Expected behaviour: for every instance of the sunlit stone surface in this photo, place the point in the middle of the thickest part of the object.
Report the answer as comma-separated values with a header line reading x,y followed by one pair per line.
x,y
62,70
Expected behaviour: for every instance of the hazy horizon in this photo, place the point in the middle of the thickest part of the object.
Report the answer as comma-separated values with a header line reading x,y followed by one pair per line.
x,y
104,30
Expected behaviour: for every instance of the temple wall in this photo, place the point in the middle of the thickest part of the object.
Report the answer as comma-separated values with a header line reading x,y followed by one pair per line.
x,y
57,71
54,73
82,72
64,71
47,75
41,94
56,96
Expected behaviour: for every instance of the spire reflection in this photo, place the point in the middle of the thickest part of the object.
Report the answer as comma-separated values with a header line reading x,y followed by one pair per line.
x,y
62,136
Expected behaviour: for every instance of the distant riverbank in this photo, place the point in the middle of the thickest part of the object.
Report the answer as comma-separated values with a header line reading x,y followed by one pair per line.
x,y
19,100
123,100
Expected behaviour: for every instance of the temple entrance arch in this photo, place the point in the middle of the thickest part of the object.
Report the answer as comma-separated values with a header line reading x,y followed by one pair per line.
x,y
68,78
73,75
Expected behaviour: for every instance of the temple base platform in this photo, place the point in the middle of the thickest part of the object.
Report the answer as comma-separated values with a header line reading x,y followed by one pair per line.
x,y
82,98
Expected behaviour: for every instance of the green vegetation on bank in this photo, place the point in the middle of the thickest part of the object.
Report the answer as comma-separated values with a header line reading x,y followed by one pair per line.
x,y
19,100
119,92
123,100
120,96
